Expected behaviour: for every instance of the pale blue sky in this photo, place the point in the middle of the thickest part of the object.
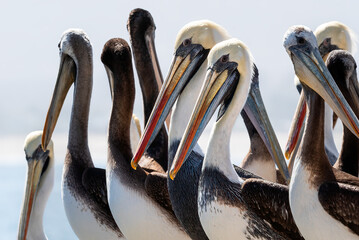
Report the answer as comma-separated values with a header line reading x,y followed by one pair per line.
x,y
30,32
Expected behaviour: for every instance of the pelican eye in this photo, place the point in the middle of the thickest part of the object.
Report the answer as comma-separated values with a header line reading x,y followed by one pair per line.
x,y
327,41
300,40
187,42
224,58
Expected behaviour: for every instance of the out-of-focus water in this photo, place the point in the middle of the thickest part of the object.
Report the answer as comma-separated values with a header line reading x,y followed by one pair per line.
x,y
13,172
12,184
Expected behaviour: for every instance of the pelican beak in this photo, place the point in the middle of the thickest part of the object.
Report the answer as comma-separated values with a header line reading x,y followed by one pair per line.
x,y
219,86
185,64
255,110
311,70
110,78
65,78
296,129
296,132
335,119
150,43
35,168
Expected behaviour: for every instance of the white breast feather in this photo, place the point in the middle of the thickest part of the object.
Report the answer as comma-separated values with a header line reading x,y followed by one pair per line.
x,y
82,221
137,215
312,220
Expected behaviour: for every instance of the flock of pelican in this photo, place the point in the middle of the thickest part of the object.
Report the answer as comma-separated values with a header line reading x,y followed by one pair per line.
x,y
159,184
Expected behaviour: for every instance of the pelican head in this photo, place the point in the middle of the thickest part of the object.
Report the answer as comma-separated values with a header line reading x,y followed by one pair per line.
x,y
74,47
335,35
140,25
301,45
342,67
40,180
330,36
115,53
227,81
192,46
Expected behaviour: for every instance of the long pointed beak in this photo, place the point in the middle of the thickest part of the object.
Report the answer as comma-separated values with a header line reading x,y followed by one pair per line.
x,y
65,78
150,42
256,112
297,126
35,166
110,78
311,70
181,71
216,87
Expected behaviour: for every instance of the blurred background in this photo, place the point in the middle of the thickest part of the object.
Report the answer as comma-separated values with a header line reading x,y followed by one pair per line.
x,y
29,61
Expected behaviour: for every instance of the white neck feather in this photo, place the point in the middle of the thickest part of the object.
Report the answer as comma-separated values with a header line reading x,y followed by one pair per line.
x,y
218,151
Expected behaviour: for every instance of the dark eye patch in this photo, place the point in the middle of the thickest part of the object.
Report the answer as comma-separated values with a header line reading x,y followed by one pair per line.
x,y
300,40
225,58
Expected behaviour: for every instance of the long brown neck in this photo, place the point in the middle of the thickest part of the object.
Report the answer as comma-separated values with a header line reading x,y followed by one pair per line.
x,y
158,150
312,153
122,107
78,133
349,155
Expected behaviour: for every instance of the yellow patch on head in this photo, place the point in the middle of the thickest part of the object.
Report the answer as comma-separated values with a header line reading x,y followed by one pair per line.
x,y
237,52
340,34
203,32
33,141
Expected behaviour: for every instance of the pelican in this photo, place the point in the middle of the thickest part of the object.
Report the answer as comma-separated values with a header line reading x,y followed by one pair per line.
x,y
83,187
39,183
141,28
329,209
184,81
342,67
222,205
330,36
136,198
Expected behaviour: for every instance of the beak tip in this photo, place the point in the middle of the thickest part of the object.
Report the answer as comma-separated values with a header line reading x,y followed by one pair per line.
x,y
287,154
44,142
133,164
172,175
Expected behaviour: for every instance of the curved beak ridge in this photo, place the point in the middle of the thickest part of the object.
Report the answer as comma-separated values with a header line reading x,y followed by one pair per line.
x,y
65,78
256,112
